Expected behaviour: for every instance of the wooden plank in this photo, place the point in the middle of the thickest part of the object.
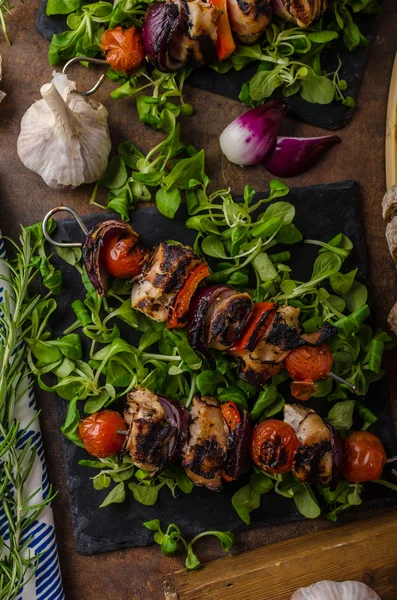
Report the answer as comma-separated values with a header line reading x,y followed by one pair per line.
x,y
364,551
391,131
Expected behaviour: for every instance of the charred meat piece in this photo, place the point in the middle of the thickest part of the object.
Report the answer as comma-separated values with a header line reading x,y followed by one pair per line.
x,y
256,372
193,43
318,337
95,244
269,338
150,432
285,330
162,277
226,318
158,429
300,12
249,18
313,461
263,355
217,317
206,452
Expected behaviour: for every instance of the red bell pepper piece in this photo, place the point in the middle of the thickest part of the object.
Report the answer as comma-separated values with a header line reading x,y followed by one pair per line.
x,y
225,45
256,323
179,312
231,416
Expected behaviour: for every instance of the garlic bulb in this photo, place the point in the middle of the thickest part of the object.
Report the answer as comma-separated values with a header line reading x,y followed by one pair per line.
x,y
333,590
65,138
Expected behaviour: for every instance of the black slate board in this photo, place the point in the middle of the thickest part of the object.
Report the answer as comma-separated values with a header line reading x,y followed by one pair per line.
x,y
330,116
322,212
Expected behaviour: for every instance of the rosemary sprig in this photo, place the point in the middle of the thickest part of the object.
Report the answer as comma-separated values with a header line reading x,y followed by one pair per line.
x,y
5,9
21,508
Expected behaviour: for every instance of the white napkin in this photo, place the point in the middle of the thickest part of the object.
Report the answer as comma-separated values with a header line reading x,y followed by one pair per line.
x,y
46,584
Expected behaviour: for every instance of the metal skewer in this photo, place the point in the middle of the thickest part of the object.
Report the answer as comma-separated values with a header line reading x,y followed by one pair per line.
x,y
80,244
341,380
97,61
77,217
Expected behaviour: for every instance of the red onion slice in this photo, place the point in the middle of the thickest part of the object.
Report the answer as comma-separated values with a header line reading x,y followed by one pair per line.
x,y
179,418
160,22
337,456
94,243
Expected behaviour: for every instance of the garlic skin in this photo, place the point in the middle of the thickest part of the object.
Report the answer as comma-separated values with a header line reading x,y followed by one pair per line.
x,y
64,138
333,590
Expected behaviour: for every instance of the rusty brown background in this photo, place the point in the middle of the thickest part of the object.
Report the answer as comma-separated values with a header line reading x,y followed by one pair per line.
x,y
137,574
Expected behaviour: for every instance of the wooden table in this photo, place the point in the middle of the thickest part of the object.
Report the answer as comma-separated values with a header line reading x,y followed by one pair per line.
x,y
137,573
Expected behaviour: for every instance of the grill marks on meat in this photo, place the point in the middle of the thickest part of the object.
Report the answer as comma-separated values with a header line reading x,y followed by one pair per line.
x,y
275,335
313,460
217,320
162,277
303,12
269,346
249,18
206,452
226,318
194,42
150,432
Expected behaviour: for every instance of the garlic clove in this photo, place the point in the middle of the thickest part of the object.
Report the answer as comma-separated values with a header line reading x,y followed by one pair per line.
x,y
65,138
334,590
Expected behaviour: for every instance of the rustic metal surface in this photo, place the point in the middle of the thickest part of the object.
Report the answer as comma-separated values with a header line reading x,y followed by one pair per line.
x,y
137,574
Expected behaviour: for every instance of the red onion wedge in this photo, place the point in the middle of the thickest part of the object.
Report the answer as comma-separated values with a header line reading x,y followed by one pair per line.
x,y
197,327
280,10
250,138
179,418
337,456
160,22
293,156
94,244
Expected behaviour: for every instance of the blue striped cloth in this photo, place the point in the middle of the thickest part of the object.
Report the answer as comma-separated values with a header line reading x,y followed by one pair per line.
x,y
46,584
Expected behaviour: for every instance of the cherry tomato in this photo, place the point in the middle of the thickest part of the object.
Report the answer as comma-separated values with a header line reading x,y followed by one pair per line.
x,y
364,457
273,446
98,433
231,415
123,257
309,363
123,48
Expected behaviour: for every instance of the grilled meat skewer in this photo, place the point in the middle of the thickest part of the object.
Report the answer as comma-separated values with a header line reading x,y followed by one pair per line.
x,y
249,18
162,277
313,459
205,455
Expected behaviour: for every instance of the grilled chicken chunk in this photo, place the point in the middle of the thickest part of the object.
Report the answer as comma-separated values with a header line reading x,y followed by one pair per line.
x,y
313,460
226,317
150,432
249,18
194,41
300,12
162,277
206,452
278,335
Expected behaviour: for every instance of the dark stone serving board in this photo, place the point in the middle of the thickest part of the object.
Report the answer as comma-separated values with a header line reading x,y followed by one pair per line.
x,y
322,212
330,116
